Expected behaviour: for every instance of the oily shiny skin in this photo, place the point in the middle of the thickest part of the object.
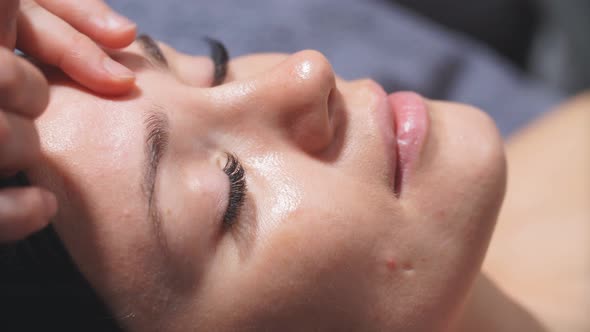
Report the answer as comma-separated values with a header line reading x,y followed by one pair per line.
x,y
322,242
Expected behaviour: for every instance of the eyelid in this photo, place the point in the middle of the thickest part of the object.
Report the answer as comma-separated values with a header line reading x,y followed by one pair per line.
x,y
218,54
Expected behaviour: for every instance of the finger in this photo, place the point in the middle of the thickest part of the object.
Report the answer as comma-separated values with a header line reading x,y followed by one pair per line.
x,y
8,15
95,19
23,88
19,143
51,40
24,211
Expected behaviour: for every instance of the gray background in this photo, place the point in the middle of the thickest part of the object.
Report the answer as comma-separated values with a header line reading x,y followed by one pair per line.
x,y
377,39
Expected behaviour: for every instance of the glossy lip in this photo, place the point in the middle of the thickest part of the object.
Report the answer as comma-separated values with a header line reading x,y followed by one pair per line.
x,y
411,123
404,123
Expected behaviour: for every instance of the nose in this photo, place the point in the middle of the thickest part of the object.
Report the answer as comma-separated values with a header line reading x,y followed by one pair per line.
x,y
295,99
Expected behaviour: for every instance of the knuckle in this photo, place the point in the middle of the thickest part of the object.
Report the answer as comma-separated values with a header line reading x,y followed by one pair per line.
x,y
78,44
78,39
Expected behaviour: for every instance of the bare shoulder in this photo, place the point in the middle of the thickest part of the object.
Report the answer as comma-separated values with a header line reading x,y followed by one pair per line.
x,y
540,253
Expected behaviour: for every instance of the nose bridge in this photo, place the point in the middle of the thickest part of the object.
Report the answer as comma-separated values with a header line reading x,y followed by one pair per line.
x,y
293,97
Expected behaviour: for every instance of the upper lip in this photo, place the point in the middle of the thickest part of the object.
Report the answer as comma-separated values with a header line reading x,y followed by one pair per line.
x,y
386,122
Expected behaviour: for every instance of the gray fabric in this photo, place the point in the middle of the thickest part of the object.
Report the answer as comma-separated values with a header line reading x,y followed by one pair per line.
x,y
507,26
361,38
562,52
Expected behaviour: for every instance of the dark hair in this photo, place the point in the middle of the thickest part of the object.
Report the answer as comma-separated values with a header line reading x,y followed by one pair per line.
x,y
42,290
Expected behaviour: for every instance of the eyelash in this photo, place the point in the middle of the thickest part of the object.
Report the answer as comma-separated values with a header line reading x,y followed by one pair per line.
x,y
237,189
220,58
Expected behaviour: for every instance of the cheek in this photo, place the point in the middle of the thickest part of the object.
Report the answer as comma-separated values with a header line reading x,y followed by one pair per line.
x,y
455,200
305,272
462,176
323,235
192,201
309,266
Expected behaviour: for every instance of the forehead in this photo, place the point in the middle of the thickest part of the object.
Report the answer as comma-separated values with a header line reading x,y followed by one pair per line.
x,y
94,144
77,122
105,132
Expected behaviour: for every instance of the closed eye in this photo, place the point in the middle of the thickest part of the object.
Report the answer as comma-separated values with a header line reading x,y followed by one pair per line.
x,y
237,189
218,54
220,58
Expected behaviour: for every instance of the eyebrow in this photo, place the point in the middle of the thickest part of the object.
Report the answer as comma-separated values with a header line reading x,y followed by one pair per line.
x,y
152,51
157,132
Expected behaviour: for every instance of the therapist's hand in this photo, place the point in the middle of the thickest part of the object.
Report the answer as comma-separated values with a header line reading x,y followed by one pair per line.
x,y
24,94
67,34
63,33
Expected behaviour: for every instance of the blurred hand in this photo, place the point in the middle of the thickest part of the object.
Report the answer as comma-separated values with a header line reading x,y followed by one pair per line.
x,y
67,34
62,33
24,94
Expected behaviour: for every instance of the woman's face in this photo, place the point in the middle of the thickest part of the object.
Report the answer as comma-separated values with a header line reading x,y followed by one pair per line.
x,y
361,210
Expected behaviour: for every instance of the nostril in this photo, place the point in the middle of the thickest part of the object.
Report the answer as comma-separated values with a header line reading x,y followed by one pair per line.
x,y
316,101
298,97
316,129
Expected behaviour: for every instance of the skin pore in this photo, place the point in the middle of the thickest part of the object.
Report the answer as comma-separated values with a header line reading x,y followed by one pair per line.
x,y
321,241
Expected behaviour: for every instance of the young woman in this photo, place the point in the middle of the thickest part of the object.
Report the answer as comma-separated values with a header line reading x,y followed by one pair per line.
x,y
265,193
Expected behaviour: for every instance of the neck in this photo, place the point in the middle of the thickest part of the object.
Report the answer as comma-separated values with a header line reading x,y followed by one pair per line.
x,y
489,309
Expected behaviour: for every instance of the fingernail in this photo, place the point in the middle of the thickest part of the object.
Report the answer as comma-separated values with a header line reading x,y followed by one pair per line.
x,y
115,21
50,204
117,69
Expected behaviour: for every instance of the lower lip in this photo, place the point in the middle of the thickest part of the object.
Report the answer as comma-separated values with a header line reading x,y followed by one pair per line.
x,y
411,125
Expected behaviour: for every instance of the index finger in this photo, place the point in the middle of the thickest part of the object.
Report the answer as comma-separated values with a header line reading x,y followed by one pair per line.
x,y
95,19
49,39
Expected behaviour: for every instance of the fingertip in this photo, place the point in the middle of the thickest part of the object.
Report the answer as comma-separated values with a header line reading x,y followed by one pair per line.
x,y
24,211
122,78
107,77
117,71
114,21
118,88
124,36
116,31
